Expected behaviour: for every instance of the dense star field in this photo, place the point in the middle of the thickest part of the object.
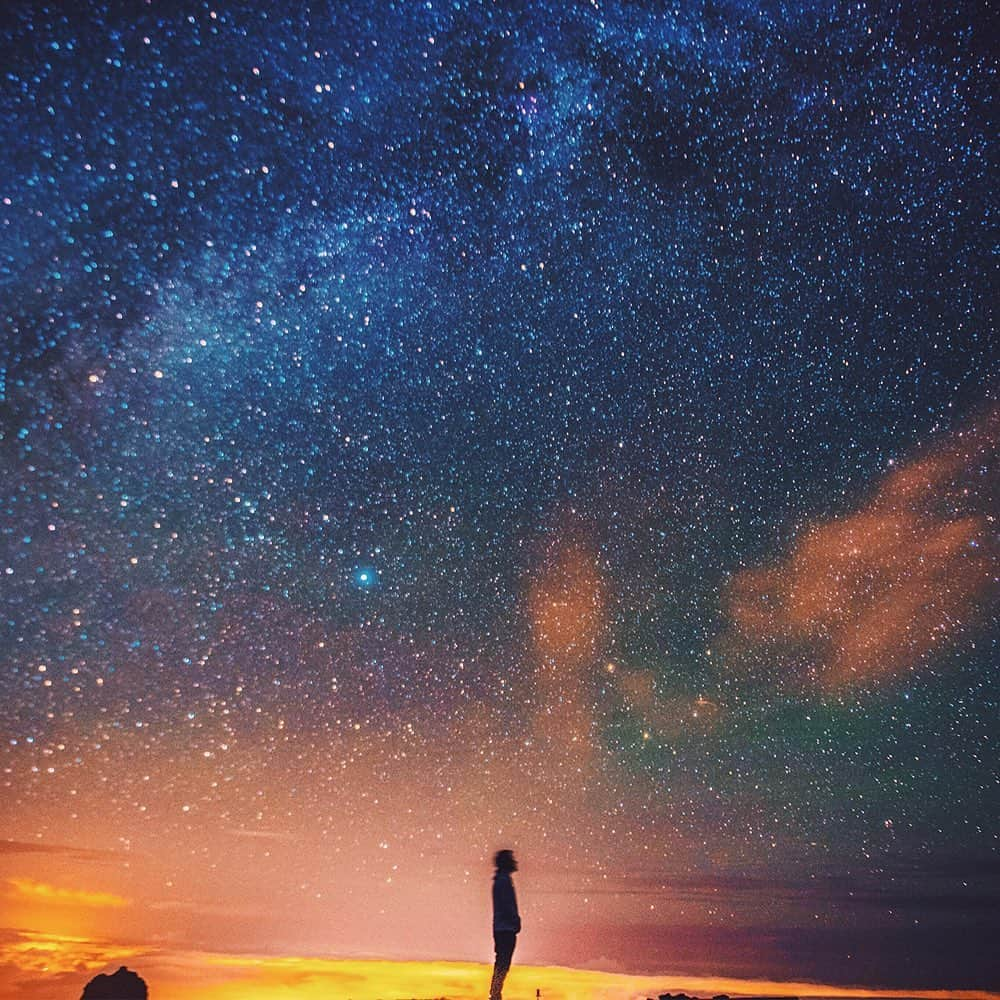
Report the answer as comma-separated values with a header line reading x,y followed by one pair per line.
x,y
434,427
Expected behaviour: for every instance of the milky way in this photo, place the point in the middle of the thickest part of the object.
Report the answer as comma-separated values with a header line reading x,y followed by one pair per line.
x,y
433,427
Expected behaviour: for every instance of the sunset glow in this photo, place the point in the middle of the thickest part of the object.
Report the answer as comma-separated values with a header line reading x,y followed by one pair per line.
x,y
51,895
207,976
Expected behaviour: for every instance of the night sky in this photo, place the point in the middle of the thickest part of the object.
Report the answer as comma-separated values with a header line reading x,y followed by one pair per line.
x,y
433,427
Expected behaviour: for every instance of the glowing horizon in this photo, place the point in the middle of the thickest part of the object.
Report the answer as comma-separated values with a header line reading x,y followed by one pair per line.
x,y
198,975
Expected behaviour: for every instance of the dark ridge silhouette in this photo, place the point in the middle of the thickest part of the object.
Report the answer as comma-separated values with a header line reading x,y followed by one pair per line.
x,y
684,996
718,996
121,985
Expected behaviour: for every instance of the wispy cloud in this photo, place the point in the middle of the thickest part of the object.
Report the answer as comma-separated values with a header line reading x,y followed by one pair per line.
x,y
223,910
41,892
867,594
261,834
12,847
39,952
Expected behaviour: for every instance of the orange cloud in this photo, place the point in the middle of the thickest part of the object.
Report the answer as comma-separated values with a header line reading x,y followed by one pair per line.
x,y
566,607
566,611
664,718
40,892
42,952
876,591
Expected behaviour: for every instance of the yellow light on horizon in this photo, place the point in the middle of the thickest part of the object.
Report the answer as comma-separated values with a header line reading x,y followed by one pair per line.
x,y
212,976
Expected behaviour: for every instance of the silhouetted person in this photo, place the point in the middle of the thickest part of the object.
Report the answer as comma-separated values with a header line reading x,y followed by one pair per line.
x,y
123,985
506,920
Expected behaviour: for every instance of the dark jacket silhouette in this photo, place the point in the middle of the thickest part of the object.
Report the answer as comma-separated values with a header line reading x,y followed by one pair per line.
x,y
506,920
505,915
122,985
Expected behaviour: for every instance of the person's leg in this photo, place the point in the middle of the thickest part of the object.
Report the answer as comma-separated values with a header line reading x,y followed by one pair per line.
x,y
503,944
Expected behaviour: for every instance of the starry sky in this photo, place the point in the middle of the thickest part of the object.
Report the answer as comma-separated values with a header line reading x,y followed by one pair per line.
x,y
433,427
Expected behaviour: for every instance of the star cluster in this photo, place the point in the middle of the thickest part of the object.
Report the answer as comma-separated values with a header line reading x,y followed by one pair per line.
x,y
429,427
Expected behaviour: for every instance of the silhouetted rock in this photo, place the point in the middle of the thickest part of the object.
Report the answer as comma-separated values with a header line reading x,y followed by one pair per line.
x,y
718,996
122,985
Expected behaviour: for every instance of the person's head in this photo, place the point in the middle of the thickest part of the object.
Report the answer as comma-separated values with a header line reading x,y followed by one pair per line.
x,y
505,861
